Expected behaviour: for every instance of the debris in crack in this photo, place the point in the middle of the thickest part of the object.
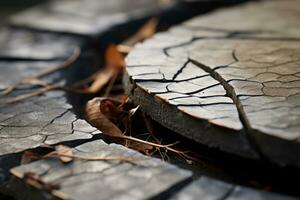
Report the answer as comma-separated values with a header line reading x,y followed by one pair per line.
x,y
35,79
52,121
65,153
243,98
105,115
78,180
230,92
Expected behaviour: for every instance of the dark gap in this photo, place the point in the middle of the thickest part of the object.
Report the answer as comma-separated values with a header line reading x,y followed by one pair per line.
x,y
232,168
215,163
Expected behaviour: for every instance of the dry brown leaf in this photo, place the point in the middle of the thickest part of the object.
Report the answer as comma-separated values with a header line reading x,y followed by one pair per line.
x,y
95,117
114,65
29,156
64,153
114,59
124,100
124,48
111,111
100,120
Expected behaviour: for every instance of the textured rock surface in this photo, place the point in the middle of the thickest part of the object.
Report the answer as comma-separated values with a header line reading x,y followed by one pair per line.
x,y
146,178
94,16
230,84
210,189
49,119
28,45
43,119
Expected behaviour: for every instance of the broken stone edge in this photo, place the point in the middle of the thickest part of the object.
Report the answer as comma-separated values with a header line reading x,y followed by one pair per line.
x,y
203,132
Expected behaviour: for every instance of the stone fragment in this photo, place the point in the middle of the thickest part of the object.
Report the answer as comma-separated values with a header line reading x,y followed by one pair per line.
x,y
231,69
142,179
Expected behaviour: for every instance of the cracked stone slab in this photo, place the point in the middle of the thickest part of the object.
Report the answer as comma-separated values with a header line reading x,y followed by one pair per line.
x,y
29,45
17,70
234,86
146,178
206,188
46,119
94,17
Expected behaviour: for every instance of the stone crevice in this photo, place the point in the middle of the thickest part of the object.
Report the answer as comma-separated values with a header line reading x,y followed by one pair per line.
x,y
242,115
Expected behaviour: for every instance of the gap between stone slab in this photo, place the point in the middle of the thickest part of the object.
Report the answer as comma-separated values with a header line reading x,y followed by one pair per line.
x,y
71,143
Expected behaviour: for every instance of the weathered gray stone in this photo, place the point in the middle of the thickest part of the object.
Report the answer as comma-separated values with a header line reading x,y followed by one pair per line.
x,y
80,179
206,188
18,70
233,70
29,124
94,17
28,45
48,119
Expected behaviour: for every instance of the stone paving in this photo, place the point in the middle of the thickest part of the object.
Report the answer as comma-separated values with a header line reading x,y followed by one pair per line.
x,y
38,38
234,85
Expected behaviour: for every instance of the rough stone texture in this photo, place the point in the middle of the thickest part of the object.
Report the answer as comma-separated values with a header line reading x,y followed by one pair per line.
x,y
94,16
231,78
28,45
48,119
42,120
206,188
147,178
17,70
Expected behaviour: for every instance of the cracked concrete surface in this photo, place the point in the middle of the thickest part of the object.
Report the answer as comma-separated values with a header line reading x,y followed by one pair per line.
x,y
240,77
49,118
42,120
94,16
208,188
171,76
144,178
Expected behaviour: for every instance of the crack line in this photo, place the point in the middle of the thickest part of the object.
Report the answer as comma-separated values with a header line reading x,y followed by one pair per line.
x,y
242,114
228,193
180,70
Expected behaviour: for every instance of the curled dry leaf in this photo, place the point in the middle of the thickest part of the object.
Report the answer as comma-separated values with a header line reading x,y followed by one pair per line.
x,y
114,66
29,156
111,111
114,59
100,112
96,118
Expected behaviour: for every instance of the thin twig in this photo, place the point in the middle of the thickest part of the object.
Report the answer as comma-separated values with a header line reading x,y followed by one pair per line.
x,y
95,158
29,95
124,48
110,85
146,31
44,72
